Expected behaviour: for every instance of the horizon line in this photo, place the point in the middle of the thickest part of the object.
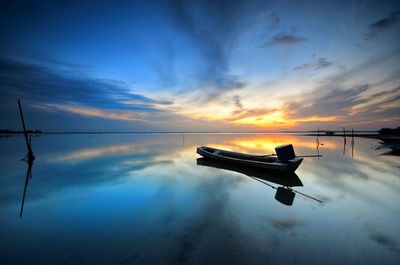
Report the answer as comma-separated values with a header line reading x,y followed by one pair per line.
x,y
188,132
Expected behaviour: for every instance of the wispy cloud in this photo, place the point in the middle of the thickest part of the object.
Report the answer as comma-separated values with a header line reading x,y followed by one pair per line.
x,y
36,56
39,83
286,39
316,65
199,60
211,41
382,24
280,119
345,97
121,115
272,21
46,89
356,105
285,224
237,102
382,238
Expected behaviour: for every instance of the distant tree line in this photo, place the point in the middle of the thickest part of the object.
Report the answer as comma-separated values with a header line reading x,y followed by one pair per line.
x,y
14,131
390,131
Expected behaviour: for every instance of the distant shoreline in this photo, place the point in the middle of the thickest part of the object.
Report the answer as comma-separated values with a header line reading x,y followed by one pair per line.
x,y
307,133
321,132
302,133
363,134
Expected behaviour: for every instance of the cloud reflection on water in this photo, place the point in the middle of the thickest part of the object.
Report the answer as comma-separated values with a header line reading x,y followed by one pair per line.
x,y
149,188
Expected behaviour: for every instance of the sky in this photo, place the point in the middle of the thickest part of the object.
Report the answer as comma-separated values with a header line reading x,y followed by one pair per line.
x,y
215,66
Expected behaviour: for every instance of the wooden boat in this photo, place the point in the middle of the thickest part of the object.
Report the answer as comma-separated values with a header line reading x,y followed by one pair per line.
x,y
265,162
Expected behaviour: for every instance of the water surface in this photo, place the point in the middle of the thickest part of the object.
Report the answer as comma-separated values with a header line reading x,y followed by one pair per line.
x,y
142,199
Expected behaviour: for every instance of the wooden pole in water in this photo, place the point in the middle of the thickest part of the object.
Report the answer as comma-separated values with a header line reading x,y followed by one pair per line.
x,y
23,126
352,142
30,155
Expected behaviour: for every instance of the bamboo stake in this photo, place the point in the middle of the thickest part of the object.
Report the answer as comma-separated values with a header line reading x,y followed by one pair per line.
x,y
23,125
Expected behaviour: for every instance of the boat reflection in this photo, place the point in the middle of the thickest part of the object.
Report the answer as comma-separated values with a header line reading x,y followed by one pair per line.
x,y
284,179
284,193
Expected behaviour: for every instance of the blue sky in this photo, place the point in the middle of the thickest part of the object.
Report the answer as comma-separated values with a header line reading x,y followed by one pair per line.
x,y
200,65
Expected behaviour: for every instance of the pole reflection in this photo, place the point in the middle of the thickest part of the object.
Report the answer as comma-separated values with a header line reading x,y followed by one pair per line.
x,y
27,178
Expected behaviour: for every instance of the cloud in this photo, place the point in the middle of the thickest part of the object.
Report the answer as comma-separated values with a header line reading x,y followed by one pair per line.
x,y
55,94
237,102
210,40
272,21
276,118
286,224
326,101
39,57
285,39
382,238
382,24
45,85
91,112
319,64
354,106
348,96
381,101
386,22
364,95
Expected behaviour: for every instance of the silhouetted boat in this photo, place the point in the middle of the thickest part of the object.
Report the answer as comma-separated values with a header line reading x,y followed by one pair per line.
x,y
265,162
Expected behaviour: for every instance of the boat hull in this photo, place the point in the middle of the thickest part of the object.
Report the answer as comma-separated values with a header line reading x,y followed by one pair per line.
x,y
265,162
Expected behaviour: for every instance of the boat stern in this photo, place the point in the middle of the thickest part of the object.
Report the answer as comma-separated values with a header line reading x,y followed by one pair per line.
x,y
295,163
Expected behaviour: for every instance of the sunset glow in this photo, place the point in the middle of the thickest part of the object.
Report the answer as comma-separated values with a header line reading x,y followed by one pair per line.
x,y
279,120
265,144
211,66
199,132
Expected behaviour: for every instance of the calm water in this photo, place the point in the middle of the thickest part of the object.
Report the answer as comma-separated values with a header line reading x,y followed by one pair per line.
x,y
142,199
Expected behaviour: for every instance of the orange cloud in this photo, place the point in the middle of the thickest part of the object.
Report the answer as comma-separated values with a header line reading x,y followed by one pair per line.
x,y
280,119
122,115
91,112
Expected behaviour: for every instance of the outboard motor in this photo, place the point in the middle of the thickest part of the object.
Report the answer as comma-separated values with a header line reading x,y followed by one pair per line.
x,y
284,195
285,152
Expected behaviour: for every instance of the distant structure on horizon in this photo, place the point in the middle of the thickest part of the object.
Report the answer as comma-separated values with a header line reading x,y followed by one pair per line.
x,y
19,132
